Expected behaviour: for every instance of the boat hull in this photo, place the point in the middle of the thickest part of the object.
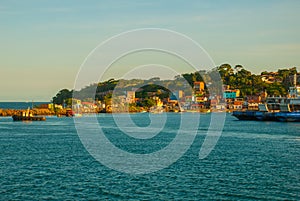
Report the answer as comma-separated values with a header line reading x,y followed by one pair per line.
x,y
244,115
267,116
288,116
26,118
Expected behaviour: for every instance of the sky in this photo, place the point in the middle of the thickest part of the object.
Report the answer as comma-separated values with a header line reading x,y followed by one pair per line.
x,y
43,43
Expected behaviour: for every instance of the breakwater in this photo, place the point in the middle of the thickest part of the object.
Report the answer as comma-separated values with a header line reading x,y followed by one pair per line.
x,y
35,111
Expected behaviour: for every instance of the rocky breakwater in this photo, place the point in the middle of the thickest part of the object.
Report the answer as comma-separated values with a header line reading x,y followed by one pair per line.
x,y
35,111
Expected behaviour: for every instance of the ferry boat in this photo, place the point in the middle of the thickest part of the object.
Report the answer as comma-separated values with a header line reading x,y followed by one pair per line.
x,y
284,109
283,116
27,116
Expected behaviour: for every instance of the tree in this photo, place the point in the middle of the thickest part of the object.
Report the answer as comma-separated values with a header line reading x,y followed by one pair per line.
x,y
225,71
276,89
238,67
61,96
148,102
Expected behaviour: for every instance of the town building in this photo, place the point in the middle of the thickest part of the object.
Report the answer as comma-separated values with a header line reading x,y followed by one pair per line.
x,y
130,96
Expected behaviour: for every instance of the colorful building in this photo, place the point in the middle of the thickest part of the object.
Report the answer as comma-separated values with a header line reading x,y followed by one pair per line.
x,y
199,87
231,93
130,96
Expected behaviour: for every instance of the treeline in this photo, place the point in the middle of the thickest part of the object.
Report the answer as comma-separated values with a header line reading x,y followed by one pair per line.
x,y
250,84
236,77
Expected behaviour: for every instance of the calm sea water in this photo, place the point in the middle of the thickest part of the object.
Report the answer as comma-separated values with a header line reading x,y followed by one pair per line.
x,y
19,105
252,160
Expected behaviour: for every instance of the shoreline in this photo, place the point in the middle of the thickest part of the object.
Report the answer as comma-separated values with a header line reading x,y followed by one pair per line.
x,y
35,111
48,112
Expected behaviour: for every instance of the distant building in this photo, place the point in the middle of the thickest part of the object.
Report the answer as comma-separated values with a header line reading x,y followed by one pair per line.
x,y
130,96
88,107
50,106
270,77
216,105
200,99
253,99
226,87
198,87
238,104
231,94
188,98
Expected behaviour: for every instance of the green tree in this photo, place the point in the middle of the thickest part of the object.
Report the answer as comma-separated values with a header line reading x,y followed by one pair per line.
x,y
225,71
61,96
276,89
148,102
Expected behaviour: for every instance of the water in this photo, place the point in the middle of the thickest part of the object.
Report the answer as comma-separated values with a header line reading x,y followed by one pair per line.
x,y
252,160
19,105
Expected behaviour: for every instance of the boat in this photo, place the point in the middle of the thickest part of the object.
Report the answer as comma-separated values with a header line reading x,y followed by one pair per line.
x,y
288,116
269,115
245,115
284,109
27,116
70,113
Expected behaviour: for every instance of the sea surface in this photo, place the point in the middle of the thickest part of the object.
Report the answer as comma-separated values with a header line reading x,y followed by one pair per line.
x,y
19,105
251,161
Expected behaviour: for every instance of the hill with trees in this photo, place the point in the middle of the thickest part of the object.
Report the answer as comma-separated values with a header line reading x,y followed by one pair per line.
x,y
236,77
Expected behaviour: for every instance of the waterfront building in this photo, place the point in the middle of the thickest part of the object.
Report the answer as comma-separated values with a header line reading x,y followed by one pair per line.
x,y
130,96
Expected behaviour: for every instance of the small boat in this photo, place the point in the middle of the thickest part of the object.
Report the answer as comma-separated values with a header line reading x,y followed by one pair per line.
x,y
27,116
70,113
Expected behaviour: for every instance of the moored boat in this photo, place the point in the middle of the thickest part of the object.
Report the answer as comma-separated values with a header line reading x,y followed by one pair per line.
x,y
245,115
70,113
284,109
288,116
27,116
267,116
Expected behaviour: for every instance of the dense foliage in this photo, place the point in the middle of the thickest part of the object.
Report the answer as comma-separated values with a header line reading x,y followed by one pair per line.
x,y
62,96
251,84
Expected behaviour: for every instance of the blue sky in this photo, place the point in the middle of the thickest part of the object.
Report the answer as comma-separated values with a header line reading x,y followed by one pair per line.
x,y
43,43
